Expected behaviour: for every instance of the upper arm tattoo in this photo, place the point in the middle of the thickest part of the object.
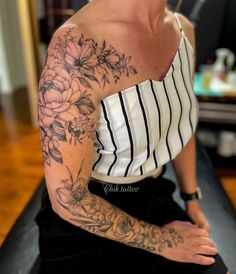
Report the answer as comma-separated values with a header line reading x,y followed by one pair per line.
x,y
65,88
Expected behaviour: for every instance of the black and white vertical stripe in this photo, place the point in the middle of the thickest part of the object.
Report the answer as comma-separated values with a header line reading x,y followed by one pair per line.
x,y
145,126
128,129
145,119
111,136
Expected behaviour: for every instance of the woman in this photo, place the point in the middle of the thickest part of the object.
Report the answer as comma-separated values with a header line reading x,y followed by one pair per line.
x,y
115,105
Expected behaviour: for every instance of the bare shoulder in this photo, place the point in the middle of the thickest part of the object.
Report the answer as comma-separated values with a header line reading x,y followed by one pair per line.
x,y
70,53
89,59
79,71
188,29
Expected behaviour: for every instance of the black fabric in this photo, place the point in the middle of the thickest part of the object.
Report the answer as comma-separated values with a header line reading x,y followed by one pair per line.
x,y
66,248
19,252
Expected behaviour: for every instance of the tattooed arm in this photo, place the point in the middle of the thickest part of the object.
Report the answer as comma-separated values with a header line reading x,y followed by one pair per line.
x,y
96,215
76,71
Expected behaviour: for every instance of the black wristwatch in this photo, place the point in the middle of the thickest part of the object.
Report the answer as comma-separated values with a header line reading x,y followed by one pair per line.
x,y
191,196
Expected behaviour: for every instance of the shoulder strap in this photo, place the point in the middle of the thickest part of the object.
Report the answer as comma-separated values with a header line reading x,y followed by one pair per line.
x,y
179,23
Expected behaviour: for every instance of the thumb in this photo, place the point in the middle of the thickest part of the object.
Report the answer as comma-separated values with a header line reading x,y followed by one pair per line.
x,y
205,226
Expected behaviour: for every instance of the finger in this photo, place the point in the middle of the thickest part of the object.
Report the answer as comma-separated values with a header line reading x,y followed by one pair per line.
x,y
182,225
203,260
199,232
206,250
205,226
206,241
203,240
189,224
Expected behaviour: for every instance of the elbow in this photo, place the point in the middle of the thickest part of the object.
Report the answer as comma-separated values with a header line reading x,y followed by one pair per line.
x,y
60,211
55,207
66,206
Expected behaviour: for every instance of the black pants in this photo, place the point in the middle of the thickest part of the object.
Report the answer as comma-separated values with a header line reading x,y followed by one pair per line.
x,y
67,249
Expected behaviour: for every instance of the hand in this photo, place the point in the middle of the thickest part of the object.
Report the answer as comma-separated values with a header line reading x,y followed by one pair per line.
x,y
196,214
185,242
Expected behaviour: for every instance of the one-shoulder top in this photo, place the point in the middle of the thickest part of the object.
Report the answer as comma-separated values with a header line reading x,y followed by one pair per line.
x,y
145,126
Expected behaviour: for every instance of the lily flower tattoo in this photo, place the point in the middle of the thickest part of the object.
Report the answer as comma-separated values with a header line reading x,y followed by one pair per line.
x,y
65,88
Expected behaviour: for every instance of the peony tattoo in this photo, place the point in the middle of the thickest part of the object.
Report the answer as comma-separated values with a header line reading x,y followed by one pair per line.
x,y
65,88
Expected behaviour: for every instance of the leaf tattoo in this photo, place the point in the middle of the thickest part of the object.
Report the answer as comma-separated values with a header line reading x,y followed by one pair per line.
x,y
64,105
98,216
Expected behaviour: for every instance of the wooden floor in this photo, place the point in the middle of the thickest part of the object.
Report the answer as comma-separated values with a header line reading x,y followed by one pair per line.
x,y
20,159
21,164
228,180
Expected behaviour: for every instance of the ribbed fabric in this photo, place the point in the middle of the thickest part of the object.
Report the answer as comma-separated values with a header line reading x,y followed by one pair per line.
x,y
145,126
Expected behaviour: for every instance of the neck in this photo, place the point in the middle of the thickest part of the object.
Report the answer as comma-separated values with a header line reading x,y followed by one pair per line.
x,y
148,12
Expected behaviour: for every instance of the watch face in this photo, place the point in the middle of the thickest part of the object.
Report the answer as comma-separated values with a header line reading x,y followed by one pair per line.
x,y
199,193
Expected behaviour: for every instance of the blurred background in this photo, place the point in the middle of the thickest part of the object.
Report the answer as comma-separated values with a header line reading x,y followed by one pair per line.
x,y
26,27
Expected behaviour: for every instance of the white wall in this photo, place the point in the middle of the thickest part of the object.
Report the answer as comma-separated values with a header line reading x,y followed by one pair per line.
x,y
12,69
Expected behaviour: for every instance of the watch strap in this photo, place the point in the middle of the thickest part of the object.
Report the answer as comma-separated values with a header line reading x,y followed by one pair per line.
x,y
191,196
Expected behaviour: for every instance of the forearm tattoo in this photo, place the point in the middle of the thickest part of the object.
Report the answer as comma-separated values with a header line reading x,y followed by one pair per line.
x,y
65,88
96,215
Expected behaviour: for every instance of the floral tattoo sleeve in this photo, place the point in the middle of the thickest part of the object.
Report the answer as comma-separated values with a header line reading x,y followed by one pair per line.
x,y
96,215
65,89
74,67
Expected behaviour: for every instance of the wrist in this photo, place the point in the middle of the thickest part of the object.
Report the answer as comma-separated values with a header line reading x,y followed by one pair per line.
x,y
192,205
191,196
152,233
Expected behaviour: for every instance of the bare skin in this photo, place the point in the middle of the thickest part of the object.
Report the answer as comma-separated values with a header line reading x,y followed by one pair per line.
x,y
142,30
88,61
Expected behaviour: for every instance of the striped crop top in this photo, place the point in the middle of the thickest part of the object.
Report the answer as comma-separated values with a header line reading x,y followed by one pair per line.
x,y
145,126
